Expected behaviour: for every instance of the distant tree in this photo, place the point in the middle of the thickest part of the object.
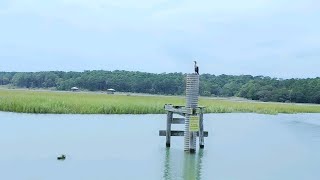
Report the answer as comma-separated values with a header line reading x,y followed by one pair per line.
x,y
246,86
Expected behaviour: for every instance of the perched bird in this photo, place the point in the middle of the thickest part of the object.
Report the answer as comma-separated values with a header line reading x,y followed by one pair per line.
x,y
62,157
196,68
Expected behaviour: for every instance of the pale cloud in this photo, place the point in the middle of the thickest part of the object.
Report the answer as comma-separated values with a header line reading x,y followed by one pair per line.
x,y
256,37
203,7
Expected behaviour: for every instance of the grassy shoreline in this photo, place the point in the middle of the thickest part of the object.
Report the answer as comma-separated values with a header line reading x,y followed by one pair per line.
x,y
47,102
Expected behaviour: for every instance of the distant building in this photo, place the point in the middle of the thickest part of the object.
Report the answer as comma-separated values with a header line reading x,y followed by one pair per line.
x,y
74,89
111,91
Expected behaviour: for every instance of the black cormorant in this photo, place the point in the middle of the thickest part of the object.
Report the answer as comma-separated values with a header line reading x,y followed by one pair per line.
x,y
196,68
62,157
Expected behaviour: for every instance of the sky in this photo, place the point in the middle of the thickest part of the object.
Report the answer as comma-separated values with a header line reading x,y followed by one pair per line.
x,y
276,38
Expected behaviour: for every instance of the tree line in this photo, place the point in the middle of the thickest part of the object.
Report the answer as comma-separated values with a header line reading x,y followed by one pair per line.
x,y
251,87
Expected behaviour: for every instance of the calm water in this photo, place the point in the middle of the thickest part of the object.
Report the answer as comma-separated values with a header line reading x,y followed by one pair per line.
x,y
239,147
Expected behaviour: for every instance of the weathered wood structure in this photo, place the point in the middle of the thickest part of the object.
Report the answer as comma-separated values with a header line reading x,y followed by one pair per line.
x,y
192,117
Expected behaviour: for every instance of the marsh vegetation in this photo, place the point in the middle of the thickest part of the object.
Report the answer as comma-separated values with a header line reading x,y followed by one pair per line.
x,y
28,101
245,86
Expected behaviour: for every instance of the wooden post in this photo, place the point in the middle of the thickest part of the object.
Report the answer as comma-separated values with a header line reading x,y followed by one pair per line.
x,y
193,142
201,136
168,134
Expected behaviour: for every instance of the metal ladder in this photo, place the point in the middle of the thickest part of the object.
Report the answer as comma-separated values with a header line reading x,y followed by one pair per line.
x,y
192,98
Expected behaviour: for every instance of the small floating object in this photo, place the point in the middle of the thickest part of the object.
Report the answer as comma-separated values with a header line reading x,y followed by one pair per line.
x,y
62,157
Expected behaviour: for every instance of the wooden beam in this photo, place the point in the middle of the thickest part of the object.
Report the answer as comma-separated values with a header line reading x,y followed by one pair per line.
x,y
178,120
180,133
182,110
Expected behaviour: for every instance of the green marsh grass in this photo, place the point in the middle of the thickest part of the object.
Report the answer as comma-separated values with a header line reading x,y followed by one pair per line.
x,y
28,101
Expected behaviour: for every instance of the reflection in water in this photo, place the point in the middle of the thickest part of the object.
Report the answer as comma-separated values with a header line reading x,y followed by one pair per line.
x,y
189,170
199,167
167,168
192,166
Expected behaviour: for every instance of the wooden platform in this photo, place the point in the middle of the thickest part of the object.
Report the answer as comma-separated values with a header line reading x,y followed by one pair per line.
x,y
184,112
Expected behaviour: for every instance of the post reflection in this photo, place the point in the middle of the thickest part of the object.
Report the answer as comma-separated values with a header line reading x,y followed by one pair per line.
x,y
167,167
181,165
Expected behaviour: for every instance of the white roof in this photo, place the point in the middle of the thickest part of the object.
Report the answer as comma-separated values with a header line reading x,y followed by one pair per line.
x,y
74,88
111,90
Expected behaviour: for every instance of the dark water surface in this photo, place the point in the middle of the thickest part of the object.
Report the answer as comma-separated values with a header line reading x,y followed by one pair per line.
x,y
239,147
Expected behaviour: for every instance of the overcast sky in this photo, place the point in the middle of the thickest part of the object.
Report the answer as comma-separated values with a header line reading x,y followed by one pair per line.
x,y
277,38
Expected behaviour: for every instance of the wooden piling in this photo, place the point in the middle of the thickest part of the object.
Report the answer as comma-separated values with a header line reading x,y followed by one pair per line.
x,y
192,135
168,134
192,148
201,132
186,113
